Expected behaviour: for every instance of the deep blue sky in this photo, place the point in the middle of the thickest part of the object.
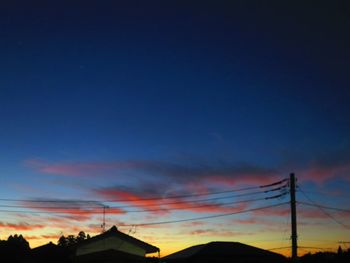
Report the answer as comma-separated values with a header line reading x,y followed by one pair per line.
x,y
173,76
230,88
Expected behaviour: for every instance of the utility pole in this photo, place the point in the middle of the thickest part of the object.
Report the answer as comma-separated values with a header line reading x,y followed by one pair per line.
x,y
293,217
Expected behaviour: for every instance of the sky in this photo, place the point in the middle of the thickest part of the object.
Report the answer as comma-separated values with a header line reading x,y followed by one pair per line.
x,y
173,110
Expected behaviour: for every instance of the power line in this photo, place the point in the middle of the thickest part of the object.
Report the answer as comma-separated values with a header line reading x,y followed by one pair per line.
x,y
164,222
325,207
201,206
286,228
269,240
325,241
146,199
85,210
278,248
128,200
198,200
50,212
324,211
323,248
148,205
208,217
322,193
273,184
207,205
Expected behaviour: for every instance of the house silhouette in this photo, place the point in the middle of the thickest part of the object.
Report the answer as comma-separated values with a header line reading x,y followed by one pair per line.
x,y
113,246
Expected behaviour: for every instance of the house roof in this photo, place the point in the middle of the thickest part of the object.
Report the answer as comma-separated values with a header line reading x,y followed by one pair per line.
x,y
48,248
50,253
114,232
223,250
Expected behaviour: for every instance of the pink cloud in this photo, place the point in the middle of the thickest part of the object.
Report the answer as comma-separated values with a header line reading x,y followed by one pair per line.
x,y
216,232
161,206
321,173
307,213
244,179
275,211
20,226
205,207
74,210
189,174
248,221
72,169
194,223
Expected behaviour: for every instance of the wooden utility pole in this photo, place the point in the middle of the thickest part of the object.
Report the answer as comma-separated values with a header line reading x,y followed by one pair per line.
x,y
293,210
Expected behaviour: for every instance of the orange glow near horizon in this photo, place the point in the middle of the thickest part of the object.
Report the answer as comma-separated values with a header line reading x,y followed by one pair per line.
x,y
169,244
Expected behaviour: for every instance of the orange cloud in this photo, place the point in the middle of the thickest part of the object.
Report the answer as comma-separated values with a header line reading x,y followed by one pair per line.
x,y
159,205
216,232
75,210
194,223
20,226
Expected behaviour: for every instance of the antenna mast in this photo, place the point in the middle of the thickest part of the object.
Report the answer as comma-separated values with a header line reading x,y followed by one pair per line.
x,y
103,226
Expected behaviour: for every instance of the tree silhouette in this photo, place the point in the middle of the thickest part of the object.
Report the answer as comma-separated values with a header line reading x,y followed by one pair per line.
x,y
19,242
81,236
71,240
14,249
62,241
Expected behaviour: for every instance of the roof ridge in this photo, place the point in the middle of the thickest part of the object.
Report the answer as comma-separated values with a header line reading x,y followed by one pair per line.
x,y
113,231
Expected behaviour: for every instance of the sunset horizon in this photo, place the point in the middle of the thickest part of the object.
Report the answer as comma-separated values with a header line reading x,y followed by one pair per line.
x,y
178,122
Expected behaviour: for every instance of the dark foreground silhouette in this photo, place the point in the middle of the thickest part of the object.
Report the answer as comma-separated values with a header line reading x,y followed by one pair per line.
x,y
17,250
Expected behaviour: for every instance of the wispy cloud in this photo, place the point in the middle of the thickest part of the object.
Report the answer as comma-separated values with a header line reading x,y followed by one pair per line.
x,y
319,169
194,223
155,204
74,210
325,166
320,173
73,168
20,226
282,211
215,173
217,232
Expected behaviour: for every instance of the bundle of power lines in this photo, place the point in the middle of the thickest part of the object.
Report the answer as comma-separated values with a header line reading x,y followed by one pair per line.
x,y
228,198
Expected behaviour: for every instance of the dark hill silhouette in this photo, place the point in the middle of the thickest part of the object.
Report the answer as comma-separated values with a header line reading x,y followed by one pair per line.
x,y
223,252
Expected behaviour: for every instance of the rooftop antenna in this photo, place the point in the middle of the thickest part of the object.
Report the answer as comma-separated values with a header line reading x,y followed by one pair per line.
x,y
103,226
132,230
